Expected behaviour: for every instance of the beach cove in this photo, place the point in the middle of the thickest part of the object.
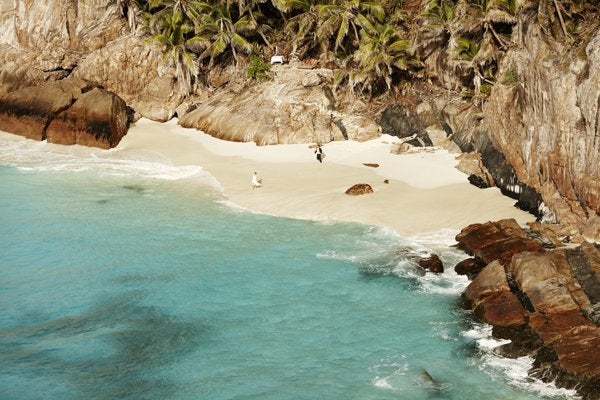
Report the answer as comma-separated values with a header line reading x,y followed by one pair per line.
x,y
425,192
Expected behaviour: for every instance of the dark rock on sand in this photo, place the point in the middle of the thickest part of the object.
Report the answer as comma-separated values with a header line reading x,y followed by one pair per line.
x,y
359,188
98,118
27,112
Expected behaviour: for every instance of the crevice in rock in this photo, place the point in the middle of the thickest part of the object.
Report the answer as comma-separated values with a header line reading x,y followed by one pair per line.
x,y
528,199
583,273
329,95
340,124
522,296
52,116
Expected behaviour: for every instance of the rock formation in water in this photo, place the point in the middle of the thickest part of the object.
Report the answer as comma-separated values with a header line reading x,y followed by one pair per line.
x,y
525,113
547,302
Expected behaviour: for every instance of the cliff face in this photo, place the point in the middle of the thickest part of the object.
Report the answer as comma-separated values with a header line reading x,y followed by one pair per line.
x,y
296,106
41,41
90,39
543,115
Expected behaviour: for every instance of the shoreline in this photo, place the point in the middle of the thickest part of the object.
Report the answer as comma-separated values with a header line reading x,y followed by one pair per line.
x,y
425,193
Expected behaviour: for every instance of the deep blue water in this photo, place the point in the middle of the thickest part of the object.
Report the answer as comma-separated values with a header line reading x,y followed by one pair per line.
x,y
125,280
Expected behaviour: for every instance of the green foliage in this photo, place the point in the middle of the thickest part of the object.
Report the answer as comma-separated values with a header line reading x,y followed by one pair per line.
x,y
379,43
258,68
485,89
467,49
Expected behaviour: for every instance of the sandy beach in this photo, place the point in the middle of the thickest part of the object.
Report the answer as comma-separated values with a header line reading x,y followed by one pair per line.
x,y
425,192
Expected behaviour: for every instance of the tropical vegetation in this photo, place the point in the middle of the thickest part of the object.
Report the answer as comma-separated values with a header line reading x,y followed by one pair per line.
x,y
373,45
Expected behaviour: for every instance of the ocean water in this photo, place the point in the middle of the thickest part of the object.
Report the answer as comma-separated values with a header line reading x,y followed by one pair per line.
x,y
128,278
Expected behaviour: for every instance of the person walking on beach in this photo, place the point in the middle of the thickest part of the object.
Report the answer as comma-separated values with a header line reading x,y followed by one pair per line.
x,y
256,182
319,153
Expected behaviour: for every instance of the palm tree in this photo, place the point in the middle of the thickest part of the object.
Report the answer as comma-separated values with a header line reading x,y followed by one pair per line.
x,y
381,51
169,24
340,20
217,30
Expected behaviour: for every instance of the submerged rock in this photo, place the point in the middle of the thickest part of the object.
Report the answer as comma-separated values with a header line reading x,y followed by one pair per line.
x,y
432,263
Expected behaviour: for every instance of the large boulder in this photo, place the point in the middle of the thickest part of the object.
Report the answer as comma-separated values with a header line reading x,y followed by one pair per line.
x,y
28,111
98,118
495,241
280,111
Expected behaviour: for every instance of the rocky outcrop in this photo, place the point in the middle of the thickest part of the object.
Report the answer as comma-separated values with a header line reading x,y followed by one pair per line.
x,y
42,41
495,241
88,39
543,115
28,111
76,25
129,67
431,263
280,111
70,111
545,301
98,118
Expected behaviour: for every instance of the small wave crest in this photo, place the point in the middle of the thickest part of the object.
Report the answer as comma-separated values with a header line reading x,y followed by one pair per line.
x,y
514,371
42,157
382,252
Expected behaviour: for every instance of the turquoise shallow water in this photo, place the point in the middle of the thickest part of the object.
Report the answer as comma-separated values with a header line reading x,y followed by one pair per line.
x,y
132,280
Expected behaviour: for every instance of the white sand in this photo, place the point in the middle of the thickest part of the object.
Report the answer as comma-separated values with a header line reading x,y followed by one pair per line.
x,y
425,193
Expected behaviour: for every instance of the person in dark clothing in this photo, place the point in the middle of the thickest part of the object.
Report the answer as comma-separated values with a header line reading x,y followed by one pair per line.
x,y
319,153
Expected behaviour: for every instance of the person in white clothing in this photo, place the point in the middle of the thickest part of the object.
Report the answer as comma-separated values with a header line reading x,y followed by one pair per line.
x,y
256,182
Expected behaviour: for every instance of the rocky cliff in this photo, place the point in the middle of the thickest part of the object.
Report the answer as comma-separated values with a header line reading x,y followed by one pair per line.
x,y
543,115
90,39
547,302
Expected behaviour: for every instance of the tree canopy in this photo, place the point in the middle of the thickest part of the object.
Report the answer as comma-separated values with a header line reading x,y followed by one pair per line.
x,y
373,44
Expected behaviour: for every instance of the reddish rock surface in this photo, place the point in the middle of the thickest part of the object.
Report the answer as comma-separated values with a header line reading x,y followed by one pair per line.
x,y
495,241
546,302
432,264
469,267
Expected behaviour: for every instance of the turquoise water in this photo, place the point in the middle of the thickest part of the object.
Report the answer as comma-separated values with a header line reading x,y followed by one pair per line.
x,y
126,279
